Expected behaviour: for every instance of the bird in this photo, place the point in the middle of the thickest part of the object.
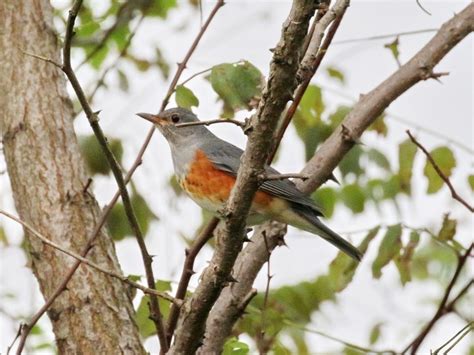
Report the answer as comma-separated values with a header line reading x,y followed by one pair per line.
x,y
206,169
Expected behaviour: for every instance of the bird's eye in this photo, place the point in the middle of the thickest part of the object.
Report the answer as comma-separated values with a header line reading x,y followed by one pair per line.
x,y
175,118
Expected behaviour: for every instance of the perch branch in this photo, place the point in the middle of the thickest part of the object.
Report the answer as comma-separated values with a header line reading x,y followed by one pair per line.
x,y
225,311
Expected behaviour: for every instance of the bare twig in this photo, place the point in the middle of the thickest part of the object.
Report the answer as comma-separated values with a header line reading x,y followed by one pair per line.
x,y
155,313
66,67
266,295
195,75
340,341
422,8
461,334
211,122
391,35
86,261
442,310
188,271
442,175
270,177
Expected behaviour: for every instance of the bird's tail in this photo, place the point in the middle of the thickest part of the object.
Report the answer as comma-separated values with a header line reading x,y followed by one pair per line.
x,y
323,231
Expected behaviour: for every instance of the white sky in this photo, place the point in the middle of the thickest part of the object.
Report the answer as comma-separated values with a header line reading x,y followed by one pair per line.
x,y
246,30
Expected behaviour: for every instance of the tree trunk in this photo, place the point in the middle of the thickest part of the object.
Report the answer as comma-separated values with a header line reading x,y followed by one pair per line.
x,y
47,174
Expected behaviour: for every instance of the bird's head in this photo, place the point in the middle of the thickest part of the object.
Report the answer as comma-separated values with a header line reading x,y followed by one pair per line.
x,y
168,123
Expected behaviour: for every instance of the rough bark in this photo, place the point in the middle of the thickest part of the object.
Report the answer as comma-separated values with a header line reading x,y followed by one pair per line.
x,y
278,90
228,307
47,174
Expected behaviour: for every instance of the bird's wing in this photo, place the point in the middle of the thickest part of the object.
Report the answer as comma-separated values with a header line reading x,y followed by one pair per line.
x,y
226,157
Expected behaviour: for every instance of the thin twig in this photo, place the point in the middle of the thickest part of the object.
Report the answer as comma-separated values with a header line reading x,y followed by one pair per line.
x,y
290,112
267,290
86,261
188,272
442,175
195,75
456,342
390,35
441,311
272,177
211,122
467,328
340,341
422,8
66,67
155,313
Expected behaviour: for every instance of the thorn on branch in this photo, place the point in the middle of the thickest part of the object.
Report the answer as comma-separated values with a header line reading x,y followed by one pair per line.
x,y
348,136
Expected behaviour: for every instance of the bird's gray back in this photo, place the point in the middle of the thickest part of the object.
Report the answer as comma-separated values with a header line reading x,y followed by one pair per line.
x,y
226,157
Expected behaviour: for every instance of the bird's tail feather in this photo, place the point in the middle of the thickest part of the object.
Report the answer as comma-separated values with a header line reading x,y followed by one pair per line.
x,y
326,233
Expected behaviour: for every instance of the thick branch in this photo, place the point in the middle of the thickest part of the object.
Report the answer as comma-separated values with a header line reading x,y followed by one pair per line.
x,y
279,88
226,311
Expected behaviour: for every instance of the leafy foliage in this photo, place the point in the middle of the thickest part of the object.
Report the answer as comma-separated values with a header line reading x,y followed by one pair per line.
x,y
95,158
444,158
185,97
142,317
238,85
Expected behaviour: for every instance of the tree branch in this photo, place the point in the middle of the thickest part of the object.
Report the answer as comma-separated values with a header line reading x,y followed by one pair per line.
x,y
279,88
155,313
225,312
93,265
108,208
442,175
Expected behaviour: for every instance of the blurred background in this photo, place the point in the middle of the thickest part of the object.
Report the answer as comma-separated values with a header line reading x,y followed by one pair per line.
x,y
382,182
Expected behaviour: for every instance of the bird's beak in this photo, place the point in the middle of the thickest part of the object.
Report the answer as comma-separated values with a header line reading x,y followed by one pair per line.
x,y
149,117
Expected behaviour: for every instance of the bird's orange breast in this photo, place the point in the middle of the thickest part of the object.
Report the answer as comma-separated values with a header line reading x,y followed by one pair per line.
x,y
204,181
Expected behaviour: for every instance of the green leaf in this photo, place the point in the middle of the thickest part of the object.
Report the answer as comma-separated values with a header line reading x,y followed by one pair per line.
x,y
393,47
379,158
307,120
3,237
235,347
117,221
98,57
123,81
120,36
389,249
406,157
379,126
353,197
325,197
338,116
351,162
142,317
336,74
404,261
444,158
160,8
448,229
238,85
470,180
95,158
375,334
185,97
